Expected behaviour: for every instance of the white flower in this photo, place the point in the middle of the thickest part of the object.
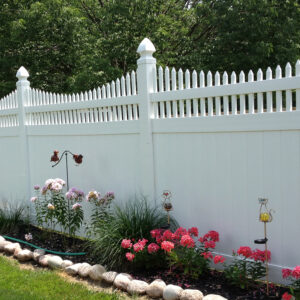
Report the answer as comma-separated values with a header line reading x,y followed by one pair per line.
x,y
51,206
33,199
56,187
49,181
60,181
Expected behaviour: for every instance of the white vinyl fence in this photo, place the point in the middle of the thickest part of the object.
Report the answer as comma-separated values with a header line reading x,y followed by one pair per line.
x,y
218,142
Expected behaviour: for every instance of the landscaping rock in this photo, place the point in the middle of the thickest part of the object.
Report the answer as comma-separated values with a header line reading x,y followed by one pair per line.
x,y
172,292
37,253
24,255
156,288
73,270
2,238
122,280
55,262
66,263
17,251
43,260
214,297
189,294
3,244
10,248
96,272
137,287
84,269
109,277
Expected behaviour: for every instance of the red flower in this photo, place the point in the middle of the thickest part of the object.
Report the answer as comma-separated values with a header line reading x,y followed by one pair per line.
x,y
129,256
152,248
210,244
286,273
207,255
168,235
219,259
167,246
296,272
180,232
193,231
55,157
213,235
260,255
286,296
138,247
187,241
245,251
155,233
126,244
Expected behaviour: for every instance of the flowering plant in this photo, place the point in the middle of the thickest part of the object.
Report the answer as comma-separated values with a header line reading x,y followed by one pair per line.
x,y
247,266
55,207
294,276
100,209
180,247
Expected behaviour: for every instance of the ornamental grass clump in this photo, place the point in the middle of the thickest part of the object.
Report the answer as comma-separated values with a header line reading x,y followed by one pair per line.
x,y
135,219
247,267
56,207
182,249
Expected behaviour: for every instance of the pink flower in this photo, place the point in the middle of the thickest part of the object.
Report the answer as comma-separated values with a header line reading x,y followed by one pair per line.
x,y
245,251
33,199
180,232
286,273
167,246
286,296
187,241
36,187
296,272
143,242
76,206
207,255
167,235
130,256
138,247
153,248
210,244
126,244
219,259
28,237
260,255
193,231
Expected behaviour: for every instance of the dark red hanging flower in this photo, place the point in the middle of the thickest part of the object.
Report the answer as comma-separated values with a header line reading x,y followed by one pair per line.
x,y
55,157
78,158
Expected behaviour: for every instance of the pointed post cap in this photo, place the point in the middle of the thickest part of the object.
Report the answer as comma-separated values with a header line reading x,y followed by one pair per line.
x,y
146,48
22,74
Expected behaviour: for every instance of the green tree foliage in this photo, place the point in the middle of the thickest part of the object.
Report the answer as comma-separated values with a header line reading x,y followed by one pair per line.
x,y
74,45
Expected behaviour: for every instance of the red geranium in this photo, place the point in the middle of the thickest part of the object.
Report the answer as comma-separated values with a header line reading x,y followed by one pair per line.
x,y
287,296
126,244
296,272
129,256
286,273
167,236
193,231
219,259
210,244
187,241
207,255
152,248
167,246
245,251
260,255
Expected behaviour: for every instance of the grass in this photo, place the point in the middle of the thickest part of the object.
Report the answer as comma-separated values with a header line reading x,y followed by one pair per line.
x,y
17,284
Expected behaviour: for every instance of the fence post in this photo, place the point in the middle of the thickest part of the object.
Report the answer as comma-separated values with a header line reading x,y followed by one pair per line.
x,y
23,89
146,72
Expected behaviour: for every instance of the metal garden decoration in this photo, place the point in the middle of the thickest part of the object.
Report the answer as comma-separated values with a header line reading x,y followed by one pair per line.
x,y
265,216
167,205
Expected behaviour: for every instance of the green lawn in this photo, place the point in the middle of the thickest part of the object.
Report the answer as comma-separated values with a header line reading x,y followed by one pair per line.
x,y
17,284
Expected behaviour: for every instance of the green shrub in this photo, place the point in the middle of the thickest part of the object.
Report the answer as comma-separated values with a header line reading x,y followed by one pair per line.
x,y
134,219
12,217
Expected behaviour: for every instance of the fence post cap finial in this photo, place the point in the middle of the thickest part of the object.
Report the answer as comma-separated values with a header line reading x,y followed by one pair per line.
x,y
146,48
22,73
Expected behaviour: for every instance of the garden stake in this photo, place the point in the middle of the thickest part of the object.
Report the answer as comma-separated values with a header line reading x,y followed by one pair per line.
x,y
167,205
265,216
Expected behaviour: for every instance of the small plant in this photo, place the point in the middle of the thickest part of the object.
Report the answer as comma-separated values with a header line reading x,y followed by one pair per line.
x,y
247,267
179,248
294,276
55,207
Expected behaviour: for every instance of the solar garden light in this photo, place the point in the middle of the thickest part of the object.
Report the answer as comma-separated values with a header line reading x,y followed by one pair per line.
x,y
167,205
265,216
55,158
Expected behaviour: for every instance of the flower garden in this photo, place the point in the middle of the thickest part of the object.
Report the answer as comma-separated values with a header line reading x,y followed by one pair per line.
x,y
130,247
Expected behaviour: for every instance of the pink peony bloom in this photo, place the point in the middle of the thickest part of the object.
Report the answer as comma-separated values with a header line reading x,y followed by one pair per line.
x,y
126,244
219,259
286,273
187,241
33,199
153,248
296,272
193,231
76,206
167,246
130,256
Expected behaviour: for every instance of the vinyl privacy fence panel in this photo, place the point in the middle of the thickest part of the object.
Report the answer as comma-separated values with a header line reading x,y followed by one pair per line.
x,y
217,141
